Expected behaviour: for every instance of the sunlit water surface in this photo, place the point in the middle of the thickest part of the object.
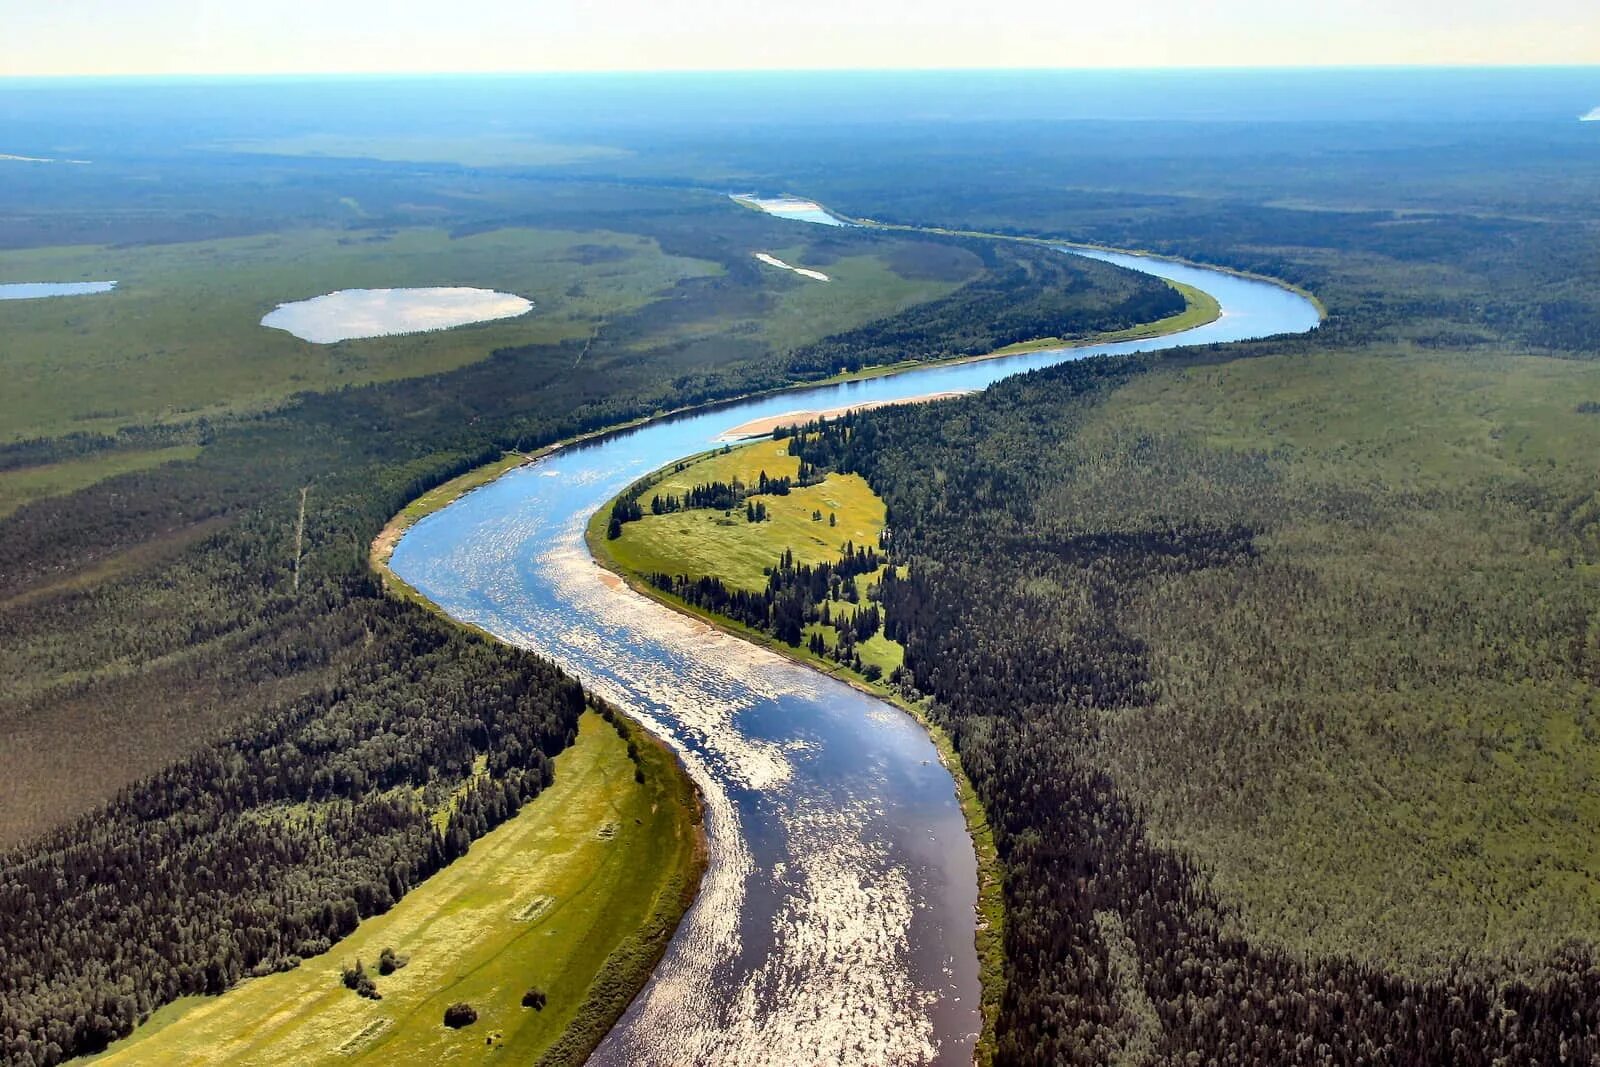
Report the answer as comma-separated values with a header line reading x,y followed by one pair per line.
x,y
836,921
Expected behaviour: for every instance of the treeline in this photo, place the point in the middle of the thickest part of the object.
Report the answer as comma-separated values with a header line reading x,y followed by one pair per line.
x,y
271,845
1017,557
1026,293
713,496
796,595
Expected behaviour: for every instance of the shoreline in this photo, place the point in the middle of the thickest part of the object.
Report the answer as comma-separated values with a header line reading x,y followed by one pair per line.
x,y
447,492
989,919
756,429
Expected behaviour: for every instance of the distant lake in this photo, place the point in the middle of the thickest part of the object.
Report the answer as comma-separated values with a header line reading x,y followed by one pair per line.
x,y
35,290
354,313
792,207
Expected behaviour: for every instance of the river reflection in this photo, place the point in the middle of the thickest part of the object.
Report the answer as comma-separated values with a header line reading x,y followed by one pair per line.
x,y
836,921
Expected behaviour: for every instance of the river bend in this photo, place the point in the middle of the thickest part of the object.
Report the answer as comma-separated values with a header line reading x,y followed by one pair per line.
x,y
836,919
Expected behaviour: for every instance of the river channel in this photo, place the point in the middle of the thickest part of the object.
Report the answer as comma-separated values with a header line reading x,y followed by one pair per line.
x,y
836,920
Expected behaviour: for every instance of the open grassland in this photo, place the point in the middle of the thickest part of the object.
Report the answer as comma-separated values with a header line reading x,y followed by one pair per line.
x,y
702,541
1383,735
757,545
181,336
860,289
781,311
574,896
27,484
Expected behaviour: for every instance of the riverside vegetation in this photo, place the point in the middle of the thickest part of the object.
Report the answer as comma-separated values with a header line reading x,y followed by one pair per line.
x,y
1165,903
297,730
1274,666
581,889
1181,659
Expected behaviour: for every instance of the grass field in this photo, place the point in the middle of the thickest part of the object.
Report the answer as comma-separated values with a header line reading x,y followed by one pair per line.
x,y
751,546
570,896
1378,736
27,484
860,289
705,542
181,334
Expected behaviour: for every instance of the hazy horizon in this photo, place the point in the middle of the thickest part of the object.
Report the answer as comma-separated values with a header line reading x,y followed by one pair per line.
x,y
169,37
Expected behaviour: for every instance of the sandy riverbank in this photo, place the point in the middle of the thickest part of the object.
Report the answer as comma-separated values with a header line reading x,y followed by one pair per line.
x,y
763,426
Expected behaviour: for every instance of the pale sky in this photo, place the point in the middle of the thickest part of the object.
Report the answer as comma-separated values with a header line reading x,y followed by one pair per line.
x,y
371,36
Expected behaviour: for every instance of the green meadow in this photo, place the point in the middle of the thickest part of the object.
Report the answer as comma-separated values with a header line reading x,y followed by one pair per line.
x,y
180,336
27,484
707,543
575,896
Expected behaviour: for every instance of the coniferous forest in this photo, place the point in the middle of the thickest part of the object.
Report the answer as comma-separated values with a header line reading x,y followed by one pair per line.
x,y
1274,666
1048,563
226,743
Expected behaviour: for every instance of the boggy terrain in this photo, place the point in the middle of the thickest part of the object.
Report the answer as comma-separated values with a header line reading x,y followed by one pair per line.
x,y
1273,666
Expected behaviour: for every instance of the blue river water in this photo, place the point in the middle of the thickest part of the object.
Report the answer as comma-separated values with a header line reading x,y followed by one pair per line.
x,y
836,920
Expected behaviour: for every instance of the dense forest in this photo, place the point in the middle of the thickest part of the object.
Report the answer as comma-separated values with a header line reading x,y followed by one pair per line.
x,y
1051,565
217,732
227,748
273,844
1027,292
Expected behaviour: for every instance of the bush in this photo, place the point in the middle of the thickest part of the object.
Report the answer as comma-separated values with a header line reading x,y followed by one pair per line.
x,y
534,998
460,1014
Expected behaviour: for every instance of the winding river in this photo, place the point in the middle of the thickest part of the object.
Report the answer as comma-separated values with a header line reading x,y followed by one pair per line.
x,y
836,920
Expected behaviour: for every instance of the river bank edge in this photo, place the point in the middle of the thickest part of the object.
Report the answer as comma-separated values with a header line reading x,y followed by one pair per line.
x,y
990,917
1200,308
637,957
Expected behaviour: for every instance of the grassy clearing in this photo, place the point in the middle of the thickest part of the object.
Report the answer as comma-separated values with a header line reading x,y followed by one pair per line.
x,y
181,334
705,542
861,289
750,546
1383,737
576,896
27,484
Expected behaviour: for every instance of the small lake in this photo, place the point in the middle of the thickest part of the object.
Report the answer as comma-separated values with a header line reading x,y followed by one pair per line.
x,y
836,921
350,314
793,207
36,290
